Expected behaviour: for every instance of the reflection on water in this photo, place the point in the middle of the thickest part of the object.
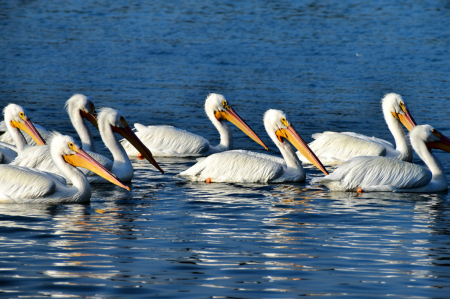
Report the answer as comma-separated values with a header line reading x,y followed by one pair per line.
x,y
326,64
195,237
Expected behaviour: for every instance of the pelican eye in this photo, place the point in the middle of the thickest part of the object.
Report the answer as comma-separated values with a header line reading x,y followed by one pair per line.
x,y
225,105
284,122
402,106
123,121
22,115
71,146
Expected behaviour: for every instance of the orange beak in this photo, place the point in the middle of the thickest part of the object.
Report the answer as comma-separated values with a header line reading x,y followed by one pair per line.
x,y
443,144
82,159
234,118
90,117
290,134
407,120
28,127
129,135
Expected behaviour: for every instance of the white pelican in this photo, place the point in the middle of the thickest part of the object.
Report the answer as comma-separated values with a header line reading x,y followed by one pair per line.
x,y
26,185
334,148
169,141
369,174
109,121
79,107
241,166
15,119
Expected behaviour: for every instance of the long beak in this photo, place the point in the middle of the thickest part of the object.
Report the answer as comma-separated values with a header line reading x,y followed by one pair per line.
x,y
407,120
234,118
129,135
29,128
297,141
443,144
82,159
90,117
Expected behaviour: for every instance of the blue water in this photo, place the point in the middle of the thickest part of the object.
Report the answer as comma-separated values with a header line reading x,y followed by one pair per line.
x,y
326,63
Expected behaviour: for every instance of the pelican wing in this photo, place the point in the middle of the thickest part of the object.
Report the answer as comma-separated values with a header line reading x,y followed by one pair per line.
x,y
235,166
8,151
375,174
23,183
334,148
36,157
167,141
371,139
390,149
6,137
3,127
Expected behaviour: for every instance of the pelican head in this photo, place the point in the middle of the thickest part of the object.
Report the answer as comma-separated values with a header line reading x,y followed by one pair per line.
x,y
432,137
279,129
216,106
116,120
16,116
393,103
66,147
83,105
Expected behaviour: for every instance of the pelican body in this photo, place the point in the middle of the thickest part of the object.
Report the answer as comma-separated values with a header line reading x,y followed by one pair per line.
x,y
16,118
25,185
169,141
333,148
369,174
109,122
241,166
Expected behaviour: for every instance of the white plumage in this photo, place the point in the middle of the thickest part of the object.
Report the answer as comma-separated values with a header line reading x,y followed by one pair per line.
x,y
388,174
8,152
16,118
334,148
25,185
109,120
239,166
169,141
249,167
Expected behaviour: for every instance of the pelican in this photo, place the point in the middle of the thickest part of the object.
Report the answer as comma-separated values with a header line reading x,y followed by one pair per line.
x,y
15,119
26,185
369,174
79,107
109,121
241,166
169,141
334,148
